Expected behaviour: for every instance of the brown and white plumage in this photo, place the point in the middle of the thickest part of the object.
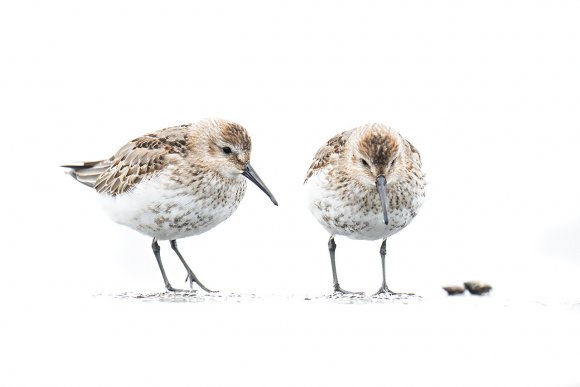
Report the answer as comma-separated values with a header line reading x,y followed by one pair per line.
x,y
347,176
176,182
144,156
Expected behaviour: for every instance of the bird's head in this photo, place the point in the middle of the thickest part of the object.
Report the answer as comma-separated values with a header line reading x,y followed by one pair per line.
x,y
228,152
375,159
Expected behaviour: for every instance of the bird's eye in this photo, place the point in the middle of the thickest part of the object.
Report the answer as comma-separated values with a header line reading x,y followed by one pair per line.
x,y
364,162
227,150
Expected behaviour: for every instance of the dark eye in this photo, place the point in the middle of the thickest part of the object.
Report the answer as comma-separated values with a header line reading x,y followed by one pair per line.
x,y
364,162
227,150
392,163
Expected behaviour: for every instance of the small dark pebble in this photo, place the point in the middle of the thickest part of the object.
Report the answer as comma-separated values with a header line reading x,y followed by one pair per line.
x,y
454,290
477,288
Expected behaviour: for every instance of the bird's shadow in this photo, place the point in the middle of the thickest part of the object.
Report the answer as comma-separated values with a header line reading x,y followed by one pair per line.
x,y
224,297
192,296
361,298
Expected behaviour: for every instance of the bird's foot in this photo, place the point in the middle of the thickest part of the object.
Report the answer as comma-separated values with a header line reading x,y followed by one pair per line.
x,y
384,291
341,291
175,290
192,278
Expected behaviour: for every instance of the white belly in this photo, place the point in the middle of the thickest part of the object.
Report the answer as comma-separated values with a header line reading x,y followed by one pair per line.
x,y
160,210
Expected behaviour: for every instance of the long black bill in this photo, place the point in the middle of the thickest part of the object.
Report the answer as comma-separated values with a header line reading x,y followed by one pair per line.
x,y
254,178
381,184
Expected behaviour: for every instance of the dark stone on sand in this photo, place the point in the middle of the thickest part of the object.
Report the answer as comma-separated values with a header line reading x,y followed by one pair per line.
x,y
454,290
476,287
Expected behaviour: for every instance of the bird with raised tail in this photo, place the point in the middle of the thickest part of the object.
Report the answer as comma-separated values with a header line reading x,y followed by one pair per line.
x,y
365,183
174,183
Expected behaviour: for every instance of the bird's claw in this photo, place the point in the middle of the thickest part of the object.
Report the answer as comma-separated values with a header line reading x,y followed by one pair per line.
x,y
175,290
383,290
339,290
188,278
192,278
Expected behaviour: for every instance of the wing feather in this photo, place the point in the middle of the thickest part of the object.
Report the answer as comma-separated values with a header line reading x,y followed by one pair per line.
x,y
414,150
137,160
334,146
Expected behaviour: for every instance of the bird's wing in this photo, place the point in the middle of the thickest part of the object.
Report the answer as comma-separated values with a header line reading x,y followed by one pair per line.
x,y
414,151
87,172
334,146
135,161
142,158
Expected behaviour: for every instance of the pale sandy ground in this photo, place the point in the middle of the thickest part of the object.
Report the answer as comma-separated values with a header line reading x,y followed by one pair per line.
x,y
133,339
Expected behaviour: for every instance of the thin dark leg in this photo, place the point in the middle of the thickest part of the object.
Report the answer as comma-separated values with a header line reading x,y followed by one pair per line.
x,y
332,250
157,252
190,276
384,289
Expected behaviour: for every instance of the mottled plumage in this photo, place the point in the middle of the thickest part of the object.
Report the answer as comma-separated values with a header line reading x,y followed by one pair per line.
x,y
344,183
177,182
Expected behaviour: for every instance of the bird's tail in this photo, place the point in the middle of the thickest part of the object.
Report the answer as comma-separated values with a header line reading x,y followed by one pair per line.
x,y
87,172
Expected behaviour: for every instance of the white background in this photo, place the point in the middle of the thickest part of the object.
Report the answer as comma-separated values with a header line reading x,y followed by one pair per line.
x,y
489,92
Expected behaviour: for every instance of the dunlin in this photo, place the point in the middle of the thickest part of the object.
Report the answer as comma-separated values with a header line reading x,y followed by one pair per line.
x,y
365,183
174,183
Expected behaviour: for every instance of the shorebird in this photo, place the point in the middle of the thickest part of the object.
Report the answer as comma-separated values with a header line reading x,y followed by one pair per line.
x,y
365,183
174,183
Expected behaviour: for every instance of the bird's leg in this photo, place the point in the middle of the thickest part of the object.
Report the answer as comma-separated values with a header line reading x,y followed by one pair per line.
x,y
157,252
384,289
332,250
190,276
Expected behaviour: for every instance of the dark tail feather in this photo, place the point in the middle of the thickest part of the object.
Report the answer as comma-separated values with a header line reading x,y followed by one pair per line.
x,y
87,172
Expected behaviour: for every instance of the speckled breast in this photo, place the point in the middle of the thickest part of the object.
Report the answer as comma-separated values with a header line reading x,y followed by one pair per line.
x,y
355,211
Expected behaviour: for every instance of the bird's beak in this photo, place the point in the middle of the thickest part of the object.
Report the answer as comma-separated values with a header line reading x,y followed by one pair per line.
x,y
254,178
381,184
